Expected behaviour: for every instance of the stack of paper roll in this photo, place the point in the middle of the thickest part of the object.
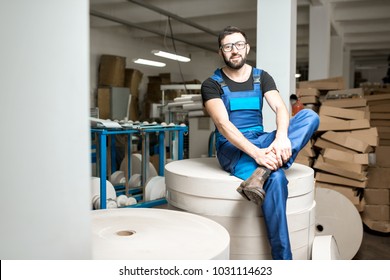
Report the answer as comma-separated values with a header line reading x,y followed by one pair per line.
x,y
156,234
192,104
200,186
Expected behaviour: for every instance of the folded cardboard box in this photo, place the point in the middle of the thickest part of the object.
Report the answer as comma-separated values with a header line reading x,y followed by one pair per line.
x,y
348,141
377,196
371,140
377,212
338,170
334,83
378,177
331,123
307,150
346,103
382,154
331,153
302,159
380,108
309,99
348,114
307,92
350,166
377,123
377,97
323,144
339,180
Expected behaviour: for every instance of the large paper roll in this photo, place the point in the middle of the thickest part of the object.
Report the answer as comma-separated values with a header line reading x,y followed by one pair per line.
x,y
156,234
338,217
201,186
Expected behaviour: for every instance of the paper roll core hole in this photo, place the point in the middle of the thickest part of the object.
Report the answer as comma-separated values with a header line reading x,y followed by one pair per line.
x,y
319,228
125,232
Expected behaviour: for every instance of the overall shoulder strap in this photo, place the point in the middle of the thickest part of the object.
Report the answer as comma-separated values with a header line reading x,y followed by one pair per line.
x,y
218,77
256,75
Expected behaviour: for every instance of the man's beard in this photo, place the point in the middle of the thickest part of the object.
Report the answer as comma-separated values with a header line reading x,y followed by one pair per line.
x,y
235,65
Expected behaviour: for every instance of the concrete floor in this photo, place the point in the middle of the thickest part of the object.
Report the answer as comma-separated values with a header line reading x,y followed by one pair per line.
x,y
375,246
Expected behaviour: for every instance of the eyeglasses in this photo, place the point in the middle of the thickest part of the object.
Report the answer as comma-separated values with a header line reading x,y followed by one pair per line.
x,y
229,47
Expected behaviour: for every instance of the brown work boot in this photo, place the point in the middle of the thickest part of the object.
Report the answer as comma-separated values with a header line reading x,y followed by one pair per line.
x,y
252,188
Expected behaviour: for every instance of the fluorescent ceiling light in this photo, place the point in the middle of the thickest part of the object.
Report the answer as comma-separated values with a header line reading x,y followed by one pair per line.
x,y
171,56
149,62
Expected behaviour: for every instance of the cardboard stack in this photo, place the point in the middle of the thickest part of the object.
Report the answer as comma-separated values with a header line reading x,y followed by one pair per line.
x,y
379,105
307,155
345,142
309,97
376,213
133,79
310,92
112,70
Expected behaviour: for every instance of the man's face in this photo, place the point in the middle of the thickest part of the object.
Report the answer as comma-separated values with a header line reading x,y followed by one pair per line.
x,y
233,56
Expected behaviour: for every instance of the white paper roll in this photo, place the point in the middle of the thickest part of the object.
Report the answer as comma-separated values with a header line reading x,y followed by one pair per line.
x,y
135,181
155,188
325,248
117,177
338,217
156,234
136,166
95,188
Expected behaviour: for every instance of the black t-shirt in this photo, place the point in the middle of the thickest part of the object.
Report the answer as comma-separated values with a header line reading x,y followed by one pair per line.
x,y
211,89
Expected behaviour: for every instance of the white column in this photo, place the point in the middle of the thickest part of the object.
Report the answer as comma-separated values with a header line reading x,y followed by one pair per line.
x,y
336,57
276,48
319,43
45,146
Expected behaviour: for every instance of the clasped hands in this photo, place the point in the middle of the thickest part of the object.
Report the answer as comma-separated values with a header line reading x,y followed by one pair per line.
x,y
276,155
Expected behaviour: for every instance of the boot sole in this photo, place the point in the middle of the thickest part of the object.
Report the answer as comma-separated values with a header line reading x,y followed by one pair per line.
x,y
252,194
240,190
255,195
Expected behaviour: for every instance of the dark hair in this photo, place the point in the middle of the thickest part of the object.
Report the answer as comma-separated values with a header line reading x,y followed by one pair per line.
x,y
228,31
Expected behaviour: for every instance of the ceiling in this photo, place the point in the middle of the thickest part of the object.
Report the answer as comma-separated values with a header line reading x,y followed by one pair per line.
x,y
363,25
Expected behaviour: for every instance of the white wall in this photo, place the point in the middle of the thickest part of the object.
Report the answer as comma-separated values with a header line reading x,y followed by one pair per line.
x,y
45,142
118,41
276,49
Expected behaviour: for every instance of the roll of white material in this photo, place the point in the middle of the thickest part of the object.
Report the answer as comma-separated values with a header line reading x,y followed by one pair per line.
x,y
117,177
337,216
95,193
156,234
325,248
136,166
135,181
155,188
200,186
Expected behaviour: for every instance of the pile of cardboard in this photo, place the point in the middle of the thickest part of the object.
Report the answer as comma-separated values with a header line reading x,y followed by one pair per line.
x,y
379,104
114,77
346,141
350,152
310,92
376,213
307,155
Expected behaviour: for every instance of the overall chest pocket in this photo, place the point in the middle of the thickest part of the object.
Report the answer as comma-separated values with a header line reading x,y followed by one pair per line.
x,y
247,103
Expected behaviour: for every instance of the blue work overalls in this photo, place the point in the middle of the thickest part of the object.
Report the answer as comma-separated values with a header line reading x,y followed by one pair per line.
x,y
245,112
